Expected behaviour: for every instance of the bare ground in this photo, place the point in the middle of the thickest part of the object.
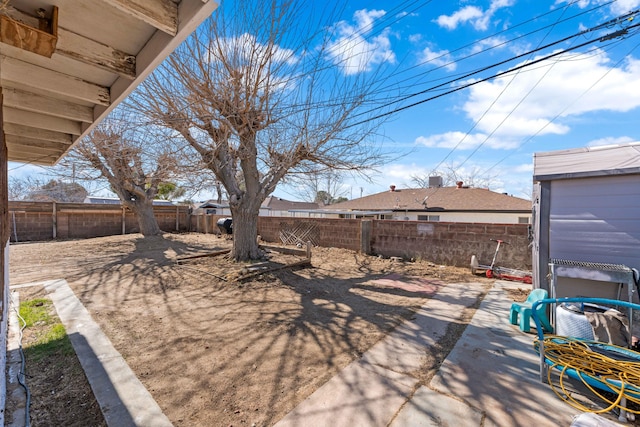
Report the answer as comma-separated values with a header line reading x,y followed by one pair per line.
x,y
217,350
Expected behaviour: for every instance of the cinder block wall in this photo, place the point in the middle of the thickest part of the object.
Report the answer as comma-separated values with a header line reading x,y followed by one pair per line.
x,y
36,221
30,221
446,243
452,243
439,242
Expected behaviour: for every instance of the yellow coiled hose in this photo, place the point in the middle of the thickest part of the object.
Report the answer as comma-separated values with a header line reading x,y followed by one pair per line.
x,y
565,353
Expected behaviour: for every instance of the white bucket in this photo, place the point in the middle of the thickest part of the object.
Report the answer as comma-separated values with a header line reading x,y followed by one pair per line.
x,y
571,321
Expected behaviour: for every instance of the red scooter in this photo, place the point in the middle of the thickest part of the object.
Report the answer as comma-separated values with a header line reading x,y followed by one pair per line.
x,y
493,270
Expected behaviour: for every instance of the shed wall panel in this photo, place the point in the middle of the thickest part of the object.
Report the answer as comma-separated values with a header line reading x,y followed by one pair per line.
x,y
596,219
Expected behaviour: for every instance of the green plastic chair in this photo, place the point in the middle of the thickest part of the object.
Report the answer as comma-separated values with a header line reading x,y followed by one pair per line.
x,y
523,310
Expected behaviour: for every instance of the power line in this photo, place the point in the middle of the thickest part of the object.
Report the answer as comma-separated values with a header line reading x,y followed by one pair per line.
x,y
499,74
527,140
507,116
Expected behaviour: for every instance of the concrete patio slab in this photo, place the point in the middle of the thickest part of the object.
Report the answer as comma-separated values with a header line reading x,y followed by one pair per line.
x,y
494,367
428,408
360,395
404,349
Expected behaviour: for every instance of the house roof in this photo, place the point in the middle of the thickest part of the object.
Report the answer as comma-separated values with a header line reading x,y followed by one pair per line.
x,y
59,82
116,201
587,162
278,204
272,203
437,200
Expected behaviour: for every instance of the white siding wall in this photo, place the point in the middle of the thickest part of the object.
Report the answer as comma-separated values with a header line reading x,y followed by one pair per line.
x,y
596,219
485,218
490,218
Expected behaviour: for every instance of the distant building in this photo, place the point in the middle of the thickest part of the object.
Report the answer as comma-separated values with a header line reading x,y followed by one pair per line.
x,y
445,204
116,201
272,206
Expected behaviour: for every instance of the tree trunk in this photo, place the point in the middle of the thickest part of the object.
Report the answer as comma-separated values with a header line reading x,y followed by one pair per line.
x,y
245,234
146,218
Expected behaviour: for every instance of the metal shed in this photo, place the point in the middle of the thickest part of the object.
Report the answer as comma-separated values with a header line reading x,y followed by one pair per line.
x,y
586,208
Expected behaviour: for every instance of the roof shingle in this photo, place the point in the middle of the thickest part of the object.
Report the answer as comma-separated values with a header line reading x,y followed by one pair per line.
x,y
438,199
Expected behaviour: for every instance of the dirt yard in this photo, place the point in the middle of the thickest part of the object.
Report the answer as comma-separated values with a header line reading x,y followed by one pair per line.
x,y
221,344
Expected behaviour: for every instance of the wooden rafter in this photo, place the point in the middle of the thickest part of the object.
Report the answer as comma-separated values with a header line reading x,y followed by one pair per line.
x,y
37,133
86,50
22,73
28,118
162,14
97,54
28,101
36,144
102,49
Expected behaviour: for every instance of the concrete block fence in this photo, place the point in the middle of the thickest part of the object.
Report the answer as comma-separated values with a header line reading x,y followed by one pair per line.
x,y
37,221
447,243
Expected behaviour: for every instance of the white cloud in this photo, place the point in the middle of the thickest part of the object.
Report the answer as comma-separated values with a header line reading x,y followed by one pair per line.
x,y
463,15
611,140
440,58
475,16
525,167
353,52
553,90
617,7
489,43
462,141
402,173
624,6
245,47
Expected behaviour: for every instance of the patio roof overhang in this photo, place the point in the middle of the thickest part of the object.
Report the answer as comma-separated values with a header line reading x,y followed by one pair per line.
x,y
65,64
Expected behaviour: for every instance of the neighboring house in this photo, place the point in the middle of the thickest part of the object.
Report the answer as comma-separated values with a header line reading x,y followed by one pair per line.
x,y
272,206
445,204
116,201
586,209
275,206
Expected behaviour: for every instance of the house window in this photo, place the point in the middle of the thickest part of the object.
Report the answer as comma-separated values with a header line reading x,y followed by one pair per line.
x,y
523,220
433,218
210,211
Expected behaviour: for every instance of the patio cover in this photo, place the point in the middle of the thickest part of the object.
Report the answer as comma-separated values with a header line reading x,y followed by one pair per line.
x,y
65,64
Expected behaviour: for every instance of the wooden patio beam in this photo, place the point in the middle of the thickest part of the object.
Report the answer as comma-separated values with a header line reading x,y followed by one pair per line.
x,y
161,14
28,101
22,74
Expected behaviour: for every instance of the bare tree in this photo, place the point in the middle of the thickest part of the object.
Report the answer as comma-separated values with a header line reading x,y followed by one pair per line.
x,y
258,95
19,188
133,159
321,186
452,174
38,190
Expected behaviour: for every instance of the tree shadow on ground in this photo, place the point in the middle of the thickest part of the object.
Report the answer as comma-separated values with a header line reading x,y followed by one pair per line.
x,y
217,352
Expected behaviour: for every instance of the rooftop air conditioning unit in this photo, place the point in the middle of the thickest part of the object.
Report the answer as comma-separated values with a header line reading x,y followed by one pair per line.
x,y
435,181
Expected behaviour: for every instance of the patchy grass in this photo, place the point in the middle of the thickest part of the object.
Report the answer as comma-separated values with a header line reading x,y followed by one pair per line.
x,y
49,338
60,392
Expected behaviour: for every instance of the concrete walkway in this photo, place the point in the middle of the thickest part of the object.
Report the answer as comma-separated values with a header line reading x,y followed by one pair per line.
x,y
490,378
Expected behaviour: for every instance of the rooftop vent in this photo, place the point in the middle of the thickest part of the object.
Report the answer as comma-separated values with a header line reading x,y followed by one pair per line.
x,y
435,181
392,188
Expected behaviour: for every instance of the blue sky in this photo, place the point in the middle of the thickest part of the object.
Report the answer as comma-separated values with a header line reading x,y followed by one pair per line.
x,y
584,96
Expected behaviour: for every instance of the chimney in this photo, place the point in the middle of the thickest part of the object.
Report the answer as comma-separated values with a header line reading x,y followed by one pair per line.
x,y
392,188
459,184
